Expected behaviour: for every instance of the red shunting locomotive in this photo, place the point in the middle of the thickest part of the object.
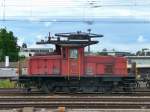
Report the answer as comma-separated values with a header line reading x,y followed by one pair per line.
x,y
70,69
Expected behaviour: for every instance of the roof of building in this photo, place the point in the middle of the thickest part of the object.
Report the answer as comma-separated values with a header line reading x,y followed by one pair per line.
x,y
138,57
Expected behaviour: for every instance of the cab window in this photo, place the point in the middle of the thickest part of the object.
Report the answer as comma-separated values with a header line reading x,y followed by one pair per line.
x,y
73,53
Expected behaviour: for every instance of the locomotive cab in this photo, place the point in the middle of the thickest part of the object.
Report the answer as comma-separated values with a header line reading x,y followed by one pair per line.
x,y
71,51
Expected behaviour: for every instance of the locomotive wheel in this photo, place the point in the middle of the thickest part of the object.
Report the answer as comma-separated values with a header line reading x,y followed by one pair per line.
x,y
137,84
56,89
107,90
107,87
129,88
73,89
148,85
27,87
45,88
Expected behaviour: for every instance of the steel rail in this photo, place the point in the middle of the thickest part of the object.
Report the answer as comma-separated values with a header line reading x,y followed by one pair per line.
x,y
23,92
75,99
94,105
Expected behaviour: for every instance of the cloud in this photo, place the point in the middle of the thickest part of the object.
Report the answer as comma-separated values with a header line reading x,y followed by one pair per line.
x,y
20,41
39,37
141,39
131,47
35,10
47,24
35,46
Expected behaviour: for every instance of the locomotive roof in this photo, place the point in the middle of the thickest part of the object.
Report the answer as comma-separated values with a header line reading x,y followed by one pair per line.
x,y
77,39
78,35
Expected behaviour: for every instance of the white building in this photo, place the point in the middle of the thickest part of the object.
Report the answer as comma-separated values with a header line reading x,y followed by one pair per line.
x,y
31,51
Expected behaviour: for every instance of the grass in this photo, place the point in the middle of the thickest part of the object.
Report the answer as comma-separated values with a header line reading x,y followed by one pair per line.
x,y
7,84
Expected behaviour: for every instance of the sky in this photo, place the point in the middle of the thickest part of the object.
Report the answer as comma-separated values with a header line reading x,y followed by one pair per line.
x,y
125,24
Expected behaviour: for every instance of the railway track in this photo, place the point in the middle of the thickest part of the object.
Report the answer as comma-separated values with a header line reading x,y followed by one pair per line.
x,y
76,102
35,92
18,91
75,99
18,98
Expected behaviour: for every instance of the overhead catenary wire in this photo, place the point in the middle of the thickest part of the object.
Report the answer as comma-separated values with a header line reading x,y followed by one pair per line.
x,y
83,5
84,21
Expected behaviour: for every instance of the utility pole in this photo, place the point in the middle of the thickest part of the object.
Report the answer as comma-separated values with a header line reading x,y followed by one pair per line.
x,y
89,30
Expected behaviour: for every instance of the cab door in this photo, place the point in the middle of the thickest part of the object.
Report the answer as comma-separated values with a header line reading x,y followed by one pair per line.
x,y
74,62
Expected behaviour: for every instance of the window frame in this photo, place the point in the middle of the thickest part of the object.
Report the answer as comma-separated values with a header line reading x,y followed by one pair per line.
x,y
75,53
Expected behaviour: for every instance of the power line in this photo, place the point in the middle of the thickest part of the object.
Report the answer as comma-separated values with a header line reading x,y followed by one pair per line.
x,y
90,4
85,21
100,3
80,5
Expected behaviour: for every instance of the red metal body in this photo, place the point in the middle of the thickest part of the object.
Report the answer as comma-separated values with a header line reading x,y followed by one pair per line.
x,y
80,66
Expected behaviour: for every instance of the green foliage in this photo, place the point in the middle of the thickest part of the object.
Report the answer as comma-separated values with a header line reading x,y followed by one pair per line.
x,y
102,53
8,45
22,57
7,84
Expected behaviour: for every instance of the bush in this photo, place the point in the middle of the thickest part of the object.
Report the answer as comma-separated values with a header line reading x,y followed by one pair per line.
x,y
7,84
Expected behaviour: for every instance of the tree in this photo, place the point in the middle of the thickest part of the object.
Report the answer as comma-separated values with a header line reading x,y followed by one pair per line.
x,y
8,45
102,53
139,53
24,45
104,50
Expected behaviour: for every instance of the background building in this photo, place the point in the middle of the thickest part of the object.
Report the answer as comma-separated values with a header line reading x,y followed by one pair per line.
x,y
26,52
142,64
